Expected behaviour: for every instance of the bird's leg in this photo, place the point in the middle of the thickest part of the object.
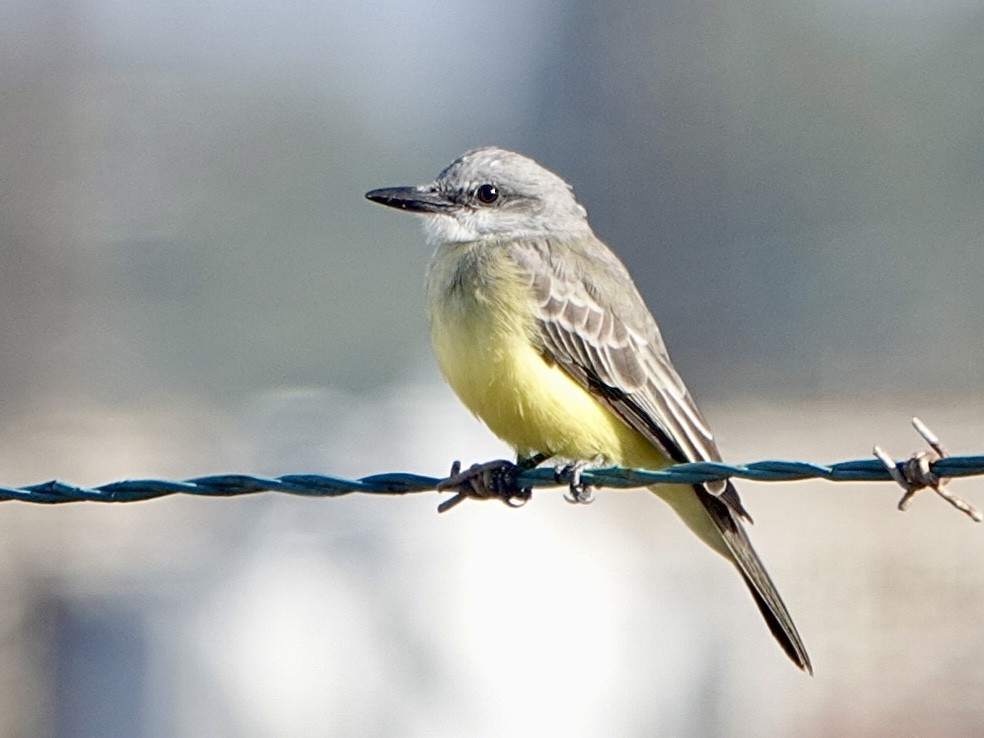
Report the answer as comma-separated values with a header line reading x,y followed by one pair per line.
x,y
491,480
579,493
530,462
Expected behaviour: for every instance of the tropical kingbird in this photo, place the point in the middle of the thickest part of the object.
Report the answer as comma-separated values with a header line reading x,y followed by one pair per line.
x,y
541,332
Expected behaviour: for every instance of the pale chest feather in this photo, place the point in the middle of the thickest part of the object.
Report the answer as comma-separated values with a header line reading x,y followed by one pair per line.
x,y
480,322
482,329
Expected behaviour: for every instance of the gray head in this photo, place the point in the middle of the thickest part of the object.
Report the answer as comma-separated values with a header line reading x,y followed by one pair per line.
x,y
491,194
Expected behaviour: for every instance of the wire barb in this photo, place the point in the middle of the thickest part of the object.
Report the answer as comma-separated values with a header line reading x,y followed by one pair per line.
x,y
492,480
917,473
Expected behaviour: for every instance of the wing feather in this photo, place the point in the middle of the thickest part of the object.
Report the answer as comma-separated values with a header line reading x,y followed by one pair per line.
x,y
612,346
592,321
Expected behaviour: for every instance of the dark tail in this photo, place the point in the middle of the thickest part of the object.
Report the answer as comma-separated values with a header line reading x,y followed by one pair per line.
x,y
756,578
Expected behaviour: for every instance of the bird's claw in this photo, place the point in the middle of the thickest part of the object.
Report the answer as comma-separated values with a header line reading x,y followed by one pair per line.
x,y
578,493
492,480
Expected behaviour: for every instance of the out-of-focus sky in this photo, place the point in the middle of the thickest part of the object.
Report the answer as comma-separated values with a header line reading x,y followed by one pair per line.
x,y
191,282
796,187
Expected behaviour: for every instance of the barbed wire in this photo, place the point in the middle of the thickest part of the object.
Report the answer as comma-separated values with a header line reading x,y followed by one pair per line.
x,y
513,483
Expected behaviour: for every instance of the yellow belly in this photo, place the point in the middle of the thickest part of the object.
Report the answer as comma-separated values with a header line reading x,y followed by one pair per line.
x,y
481,332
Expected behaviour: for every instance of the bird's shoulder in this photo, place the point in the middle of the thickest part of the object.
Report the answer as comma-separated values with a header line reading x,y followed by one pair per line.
x,y
582,283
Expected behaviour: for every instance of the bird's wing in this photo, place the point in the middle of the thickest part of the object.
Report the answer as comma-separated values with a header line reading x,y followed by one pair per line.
x,y
593,323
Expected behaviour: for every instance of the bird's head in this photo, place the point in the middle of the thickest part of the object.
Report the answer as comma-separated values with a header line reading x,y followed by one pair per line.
x,y
491,194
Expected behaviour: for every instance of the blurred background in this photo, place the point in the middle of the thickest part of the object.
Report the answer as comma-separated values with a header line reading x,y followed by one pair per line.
x,y
191,283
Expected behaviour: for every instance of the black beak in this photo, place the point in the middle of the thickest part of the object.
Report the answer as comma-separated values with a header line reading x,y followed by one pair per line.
x,y
413,199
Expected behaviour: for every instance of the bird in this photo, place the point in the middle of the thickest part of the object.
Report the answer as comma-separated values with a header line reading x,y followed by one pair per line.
x,y
540,330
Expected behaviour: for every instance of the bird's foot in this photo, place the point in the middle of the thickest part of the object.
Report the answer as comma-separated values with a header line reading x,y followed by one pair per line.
x,y
492,480
578,492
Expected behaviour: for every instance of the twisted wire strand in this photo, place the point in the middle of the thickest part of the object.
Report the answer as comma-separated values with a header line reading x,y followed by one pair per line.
x,y
399,483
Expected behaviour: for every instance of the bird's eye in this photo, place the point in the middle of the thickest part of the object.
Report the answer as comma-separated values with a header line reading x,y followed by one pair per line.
x,y
487,194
